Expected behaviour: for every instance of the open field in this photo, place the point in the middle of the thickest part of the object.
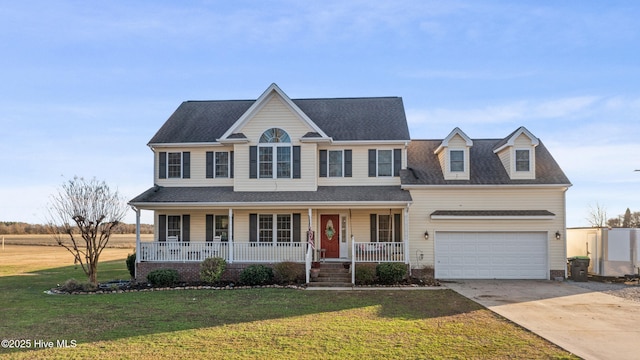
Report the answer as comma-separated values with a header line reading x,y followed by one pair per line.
x,y
242,324
116,240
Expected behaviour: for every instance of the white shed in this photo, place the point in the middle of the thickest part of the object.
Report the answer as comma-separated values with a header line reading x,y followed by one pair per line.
x,y
613,251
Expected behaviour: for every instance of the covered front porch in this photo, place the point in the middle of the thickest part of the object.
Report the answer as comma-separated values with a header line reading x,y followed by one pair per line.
x,y
373,229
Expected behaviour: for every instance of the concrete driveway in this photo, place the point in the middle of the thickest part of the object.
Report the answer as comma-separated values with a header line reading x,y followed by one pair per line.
x,y
590,324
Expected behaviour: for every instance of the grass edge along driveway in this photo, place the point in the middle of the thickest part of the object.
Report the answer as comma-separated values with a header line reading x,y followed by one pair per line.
x,y
252,323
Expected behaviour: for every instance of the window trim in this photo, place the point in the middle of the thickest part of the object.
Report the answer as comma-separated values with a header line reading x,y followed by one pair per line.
x,y
179,217
460,161
517,161
391,162
269,141
342,161
163,164
275,231
169,165
216,164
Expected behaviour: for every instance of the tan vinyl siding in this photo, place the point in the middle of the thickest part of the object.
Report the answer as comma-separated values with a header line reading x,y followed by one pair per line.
x,y
275,113
360,167
426,202
505,158
198,167
456,143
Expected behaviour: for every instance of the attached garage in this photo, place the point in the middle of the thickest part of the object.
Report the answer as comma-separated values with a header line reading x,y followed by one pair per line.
x,y
491,255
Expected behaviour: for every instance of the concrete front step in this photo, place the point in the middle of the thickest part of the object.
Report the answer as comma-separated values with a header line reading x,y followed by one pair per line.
x,y
330,284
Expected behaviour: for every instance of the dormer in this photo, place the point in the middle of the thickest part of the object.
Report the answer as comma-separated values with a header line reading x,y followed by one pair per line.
x,y
453,154
517,154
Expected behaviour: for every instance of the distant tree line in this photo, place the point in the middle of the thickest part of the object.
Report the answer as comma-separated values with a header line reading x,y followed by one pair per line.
x,y
21,228
627,220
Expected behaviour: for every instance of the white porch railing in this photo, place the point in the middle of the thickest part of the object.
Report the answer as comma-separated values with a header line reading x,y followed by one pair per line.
x,y
378,252
196,251
375,252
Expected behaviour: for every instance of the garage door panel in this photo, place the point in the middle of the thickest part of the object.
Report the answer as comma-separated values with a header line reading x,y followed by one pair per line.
x,y
491,255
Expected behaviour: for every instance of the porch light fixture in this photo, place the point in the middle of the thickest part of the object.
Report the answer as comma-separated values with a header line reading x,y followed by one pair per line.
x,y
426,235
558,235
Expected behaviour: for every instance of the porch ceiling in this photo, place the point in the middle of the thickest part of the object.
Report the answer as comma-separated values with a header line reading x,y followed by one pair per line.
x,y
159,196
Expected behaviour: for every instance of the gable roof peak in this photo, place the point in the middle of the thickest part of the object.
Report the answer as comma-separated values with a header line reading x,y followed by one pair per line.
x,y
261,101
452,134
511,138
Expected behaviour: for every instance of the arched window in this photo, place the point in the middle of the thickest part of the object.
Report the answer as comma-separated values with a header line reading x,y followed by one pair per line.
x,y
275,135
274,154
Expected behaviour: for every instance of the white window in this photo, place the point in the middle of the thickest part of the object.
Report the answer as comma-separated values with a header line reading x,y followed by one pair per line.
x,y
385,162
335,163
275,141
173,228
174,165
456,160
222,164
385,230
275,228
523,160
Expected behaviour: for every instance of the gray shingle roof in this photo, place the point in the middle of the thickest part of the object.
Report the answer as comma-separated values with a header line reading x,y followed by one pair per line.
x,y
485,166
379,118
226,195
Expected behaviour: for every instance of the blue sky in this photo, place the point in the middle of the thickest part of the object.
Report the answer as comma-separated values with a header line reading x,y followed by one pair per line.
x,y
84,85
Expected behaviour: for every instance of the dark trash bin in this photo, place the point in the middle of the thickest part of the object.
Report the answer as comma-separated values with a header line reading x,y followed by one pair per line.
x,y
578,266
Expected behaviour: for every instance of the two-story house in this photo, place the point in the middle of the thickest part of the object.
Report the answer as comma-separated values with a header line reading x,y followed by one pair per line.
x,y
339,179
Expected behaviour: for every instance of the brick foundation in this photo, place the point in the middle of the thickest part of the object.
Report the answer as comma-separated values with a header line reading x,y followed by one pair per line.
x,y
553,274
190,272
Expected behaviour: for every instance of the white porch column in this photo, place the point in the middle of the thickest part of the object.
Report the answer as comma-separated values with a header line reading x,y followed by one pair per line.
x,y
406,237
230,236
137,239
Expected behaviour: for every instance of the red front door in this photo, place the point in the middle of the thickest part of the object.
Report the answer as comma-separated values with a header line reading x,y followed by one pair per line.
x,y
330,235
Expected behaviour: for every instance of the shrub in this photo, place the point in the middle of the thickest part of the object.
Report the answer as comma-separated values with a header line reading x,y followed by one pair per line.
x,y
71,285
88,287
256,275
365,274
211,269
288,272
163,277
391,273
131,264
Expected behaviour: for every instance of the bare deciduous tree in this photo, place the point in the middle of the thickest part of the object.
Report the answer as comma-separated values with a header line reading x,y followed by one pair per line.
x,y
82,216
597,216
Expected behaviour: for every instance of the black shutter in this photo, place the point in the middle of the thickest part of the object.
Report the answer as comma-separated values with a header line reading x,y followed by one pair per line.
x,y
323,163
231,164
208,236
296,162
347,163
374,228
162,165
209,165
186,227
296,227
397,161
253,227
397,228
162,227
373,163
186,165
253,162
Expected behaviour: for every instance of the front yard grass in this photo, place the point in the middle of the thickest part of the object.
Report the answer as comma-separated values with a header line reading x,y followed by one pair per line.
x,y
252,323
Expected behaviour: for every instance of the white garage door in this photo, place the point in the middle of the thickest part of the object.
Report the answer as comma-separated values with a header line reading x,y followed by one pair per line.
x,y
491,255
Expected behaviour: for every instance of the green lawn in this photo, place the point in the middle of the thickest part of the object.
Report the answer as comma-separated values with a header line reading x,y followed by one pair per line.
x,y
253,323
